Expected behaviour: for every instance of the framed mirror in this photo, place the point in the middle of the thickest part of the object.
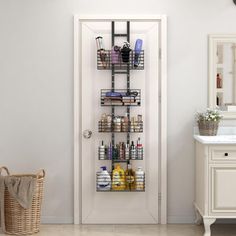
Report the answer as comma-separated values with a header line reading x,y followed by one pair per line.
x,y
222,74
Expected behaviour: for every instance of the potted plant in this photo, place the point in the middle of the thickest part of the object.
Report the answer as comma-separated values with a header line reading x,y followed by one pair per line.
x,y
208,122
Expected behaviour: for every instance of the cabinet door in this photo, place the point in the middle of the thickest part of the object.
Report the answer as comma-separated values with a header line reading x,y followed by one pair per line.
x,y
222,189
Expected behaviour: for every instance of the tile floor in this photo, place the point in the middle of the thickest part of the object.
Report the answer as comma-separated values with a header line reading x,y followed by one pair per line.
x,y
134,230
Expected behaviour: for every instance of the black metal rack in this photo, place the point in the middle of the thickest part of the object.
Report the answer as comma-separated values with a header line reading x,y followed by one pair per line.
x,y
123,187
119,127
105,62
124,97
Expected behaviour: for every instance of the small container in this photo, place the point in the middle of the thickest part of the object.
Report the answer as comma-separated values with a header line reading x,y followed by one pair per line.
x,y
127,151
110,152
117,124
125,52
137,50
102,152
115,55
133,151
125,123
139,179
139,149
99,42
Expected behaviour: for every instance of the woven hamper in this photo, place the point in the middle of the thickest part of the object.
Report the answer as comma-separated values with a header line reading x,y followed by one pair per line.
x,y
20,221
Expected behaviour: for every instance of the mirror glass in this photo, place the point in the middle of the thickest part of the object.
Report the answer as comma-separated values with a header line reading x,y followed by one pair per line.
x,y
222,74
225,76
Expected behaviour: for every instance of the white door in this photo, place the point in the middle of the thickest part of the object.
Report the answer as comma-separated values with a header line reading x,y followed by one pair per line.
x,y
119,207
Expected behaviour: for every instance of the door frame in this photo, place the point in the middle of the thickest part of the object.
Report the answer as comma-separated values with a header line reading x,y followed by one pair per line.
x,y
78,19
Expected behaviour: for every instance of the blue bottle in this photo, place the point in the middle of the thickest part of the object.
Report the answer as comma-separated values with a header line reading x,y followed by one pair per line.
x,y
137,51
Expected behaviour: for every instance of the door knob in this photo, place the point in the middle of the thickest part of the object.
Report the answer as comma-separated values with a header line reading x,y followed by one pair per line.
x,y
87,133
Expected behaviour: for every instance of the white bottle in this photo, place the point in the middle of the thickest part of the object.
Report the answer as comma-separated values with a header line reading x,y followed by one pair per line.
x,y
139,179
103,180
102,152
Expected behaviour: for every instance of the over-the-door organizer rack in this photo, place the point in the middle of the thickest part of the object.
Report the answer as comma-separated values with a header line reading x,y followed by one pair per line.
x,y
120,63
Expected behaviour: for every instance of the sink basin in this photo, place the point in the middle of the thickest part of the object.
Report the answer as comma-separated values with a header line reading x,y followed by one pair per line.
x,y
219,139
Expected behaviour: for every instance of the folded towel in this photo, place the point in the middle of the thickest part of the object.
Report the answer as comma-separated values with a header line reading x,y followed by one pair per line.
x,y
21,189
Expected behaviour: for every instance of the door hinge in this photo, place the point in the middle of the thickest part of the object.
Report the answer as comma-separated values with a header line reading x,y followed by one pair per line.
x,y
159,196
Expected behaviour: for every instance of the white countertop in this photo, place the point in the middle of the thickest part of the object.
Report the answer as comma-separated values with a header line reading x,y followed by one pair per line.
x,y
219,139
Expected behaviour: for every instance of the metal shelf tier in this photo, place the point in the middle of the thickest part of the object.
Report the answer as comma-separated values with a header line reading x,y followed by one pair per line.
x,y
135,61
120,97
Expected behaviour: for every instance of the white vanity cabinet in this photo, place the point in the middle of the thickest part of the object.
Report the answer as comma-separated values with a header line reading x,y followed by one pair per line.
x,y
215,179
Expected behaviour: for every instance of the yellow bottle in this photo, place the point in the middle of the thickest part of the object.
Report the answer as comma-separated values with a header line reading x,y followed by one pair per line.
x,y
130,178
118,178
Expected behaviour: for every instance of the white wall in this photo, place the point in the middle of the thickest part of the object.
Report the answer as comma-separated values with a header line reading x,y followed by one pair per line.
x,y
36,88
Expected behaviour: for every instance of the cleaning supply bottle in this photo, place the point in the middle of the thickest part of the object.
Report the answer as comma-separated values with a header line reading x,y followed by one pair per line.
x,y
137,51
130,178
103,180
139,179
118,178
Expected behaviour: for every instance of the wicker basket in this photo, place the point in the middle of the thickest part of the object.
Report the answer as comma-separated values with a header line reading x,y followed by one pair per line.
x,y
20,221
208,128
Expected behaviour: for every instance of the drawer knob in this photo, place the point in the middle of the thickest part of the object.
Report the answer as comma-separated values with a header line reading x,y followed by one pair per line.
x,y
226,154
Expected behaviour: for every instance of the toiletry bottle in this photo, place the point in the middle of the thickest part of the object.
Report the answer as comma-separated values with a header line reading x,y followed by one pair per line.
x,y
110,152
130,178
139,124
115,55
102,152
121,151
116,152
118,178
101,51
125,123
139,149
109,123
125,52
103,123
127,151
132,151
218,81
137,51
132,125
139,179
103,180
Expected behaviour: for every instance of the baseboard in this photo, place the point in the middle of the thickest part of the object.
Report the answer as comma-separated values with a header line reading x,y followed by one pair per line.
x,y
191,220
56,220
180,219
